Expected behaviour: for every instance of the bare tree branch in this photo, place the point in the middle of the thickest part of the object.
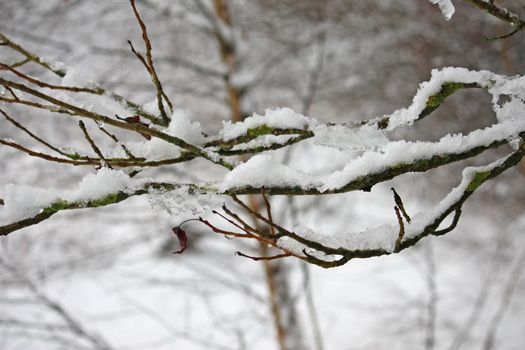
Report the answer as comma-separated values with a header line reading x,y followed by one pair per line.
x,y
61,72
503,14
161,96
103,161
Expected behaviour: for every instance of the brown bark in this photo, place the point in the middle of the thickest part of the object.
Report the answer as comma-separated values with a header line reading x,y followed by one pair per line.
x,y
271,268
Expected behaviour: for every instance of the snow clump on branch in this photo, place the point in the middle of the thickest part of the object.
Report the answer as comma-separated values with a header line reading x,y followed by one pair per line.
x,y
446,6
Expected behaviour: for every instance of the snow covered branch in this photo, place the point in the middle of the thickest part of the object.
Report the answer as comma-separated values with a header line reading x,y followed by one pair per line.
x,y
337,249
172,139
381,160
61,70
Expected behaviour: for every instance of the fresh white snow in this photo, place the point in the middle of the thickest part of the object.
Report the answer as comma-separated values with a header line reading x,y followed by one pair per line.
x,y
446,6
25,201
265,170
281,118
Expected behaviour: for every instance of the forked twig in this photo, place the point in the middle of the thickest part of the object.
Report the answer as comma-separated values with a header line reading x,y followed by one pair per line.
x,y
245,228
399,204
148,63
268,210
114,138
245,225
61,72
32,135
103,161
12,93
224,232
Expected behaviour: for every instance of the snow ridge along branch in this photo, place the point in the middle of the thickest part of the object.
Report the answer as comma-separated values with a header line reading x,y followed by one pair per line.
x,y
383,164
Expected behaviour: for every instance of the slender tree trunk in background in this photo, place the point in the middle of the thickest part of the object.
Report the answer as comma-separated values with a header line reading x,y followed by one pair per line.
x,y
505,301
431,307
287,327
271,271
282,306
229,58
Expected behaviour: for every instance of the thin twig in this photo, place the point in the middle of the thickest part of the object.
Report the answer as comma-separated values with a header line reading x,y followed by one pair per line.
x,y
21,127
30,56
505,36
42,84
103,161
455,220
230,221
139,56
399,203
151,68
259,216
141,129
114,138
503,14
268,210
49,108
20,63
114,162
43,155
61,72
224,232
259,258
246,226
12,93
401,229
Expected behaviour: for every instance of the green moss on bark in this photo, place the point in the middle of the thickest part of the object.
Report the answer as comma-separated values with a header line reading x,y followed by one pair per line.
x,y
57,206
447,89
478,180
107,200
